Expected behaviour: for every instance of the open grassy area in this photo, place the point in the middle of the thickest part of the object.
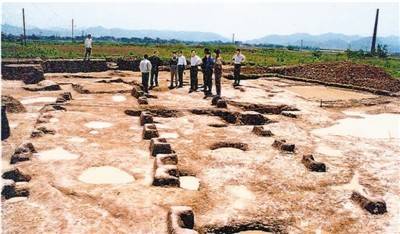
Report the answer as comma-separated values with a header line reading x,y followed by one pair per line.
x,y
256,56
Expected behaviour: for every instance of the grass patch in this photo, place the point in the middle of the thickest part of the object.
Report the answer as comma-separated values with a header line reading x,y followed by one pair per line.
x,y
255,56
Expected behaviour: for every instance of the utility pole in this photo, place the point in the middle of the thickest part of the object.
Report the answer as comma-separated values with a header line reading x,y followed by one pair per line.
x,y
375,31
23,22
233,38
72,32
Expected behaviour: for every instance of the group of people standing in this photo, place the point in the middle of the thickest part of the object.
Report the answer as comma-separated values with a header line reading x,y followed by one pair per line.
x,y
209,65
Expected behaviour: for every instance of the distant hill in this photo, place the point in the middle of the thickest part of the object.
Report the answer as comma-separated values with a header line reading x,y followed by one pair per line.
x,y
118,32
329,41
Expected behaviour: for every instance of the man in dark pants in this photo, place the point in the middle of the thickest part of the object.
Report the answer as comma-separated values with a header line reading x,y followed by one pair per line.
x,y
218,71
145,68
173,65
5,127
207,66
238,59
155,62
181,67
195,61
88,47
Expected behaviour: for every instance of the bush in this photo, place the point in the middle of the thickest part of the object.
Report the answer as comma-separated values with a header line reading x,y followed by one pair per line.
x,y
317,54
382,51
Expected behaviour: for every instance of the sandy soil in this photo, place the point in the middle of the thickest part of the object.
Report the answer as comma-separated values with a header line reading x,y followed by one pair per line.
x,y
95,173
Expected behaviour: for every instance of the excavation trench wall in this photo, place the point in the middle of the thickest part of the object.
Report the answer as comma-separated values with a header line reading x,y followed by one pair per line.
x,y
62,65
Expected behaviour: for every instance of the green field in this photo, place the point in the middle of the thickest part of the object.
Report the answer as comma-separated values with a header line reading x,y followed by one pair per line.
x,y
256,56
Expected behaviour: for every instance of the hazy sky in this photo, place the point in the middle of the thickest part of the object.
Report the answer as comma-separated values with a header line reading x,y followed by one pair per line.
x,y
248,19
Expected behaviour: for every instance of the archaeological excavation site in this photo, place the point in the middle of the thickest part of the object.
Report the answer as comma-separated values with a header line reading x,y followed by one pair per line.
x,y
295,149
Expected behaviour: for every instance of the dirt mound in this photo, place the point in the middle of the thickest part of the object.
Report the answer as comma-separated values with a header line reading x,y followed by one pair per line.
x,y
12,104
346,73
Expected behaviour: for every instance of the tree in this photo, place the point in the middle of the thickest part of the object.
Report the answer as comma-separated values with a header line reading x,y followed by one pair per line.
x,y
382,51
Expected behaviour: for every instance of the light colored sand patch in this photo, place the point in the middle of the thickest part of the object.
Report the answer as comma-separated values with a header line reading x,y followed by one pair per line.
x,y
227,153
94,132
38,100
171,135
326,93
353,185
58,153
381,126
16,199
326,150
98,124
137,138
189,182
14,125
76,139
118,98
393,204
53,120
241,195
105,175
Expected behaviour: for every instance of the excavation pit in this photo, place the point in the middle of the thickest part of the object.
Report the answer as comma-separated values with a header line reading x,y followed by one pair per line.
x,y
214,100
12,105
312,165
142,101
24,152
165,159
160,146
226,144
10,189
145,118
137,91
181,220
218,125
150,131
372,206
260,131
245,228
263,108
283,146
221,103
252,118
166,175
15,175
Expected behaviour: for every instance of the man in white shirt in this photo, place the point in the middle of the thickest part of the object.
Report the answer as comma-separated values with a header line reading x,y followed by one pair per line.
x,y
145,69
238,59
195,61
181,67
88,47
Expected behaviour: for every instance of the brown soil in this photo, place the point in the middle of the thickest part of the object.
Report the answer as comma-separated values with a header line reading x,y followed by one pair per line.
x,y
336,72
